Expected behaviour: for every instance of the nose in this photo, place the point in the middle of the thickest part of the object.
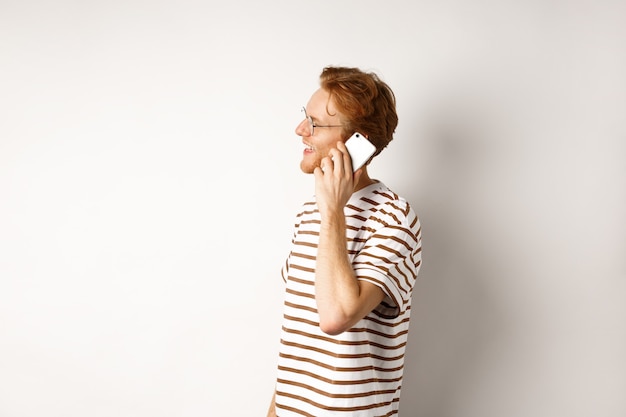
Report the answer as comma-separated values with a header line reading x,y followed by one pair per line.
x,y
303,128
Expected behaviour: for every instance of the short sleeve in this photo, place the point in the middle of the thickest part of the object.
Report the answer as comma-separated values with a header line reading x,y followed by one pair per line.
x,y
390,259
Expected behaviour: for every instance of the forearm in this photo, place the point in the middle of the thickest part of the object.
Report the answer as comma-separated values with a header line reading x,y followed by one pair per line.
x,y
271,412
337,291
341,298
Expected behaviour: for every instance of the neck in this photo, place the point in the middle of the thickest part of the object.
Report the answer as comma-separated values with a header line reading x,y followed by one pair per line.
x,y
364,180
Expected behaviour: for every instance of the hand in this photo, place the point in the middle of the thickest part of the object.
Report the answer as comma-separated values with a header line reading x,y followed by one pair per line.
x,y
335,181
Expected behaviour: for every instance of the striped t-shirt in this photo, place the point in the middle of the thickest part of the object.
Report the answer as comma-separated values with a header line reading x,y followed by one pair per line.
x,y
357,373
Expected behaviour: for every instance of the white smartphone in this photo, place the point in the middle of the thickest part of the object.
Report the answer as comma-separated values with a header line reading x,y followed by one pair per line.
x,y
360,150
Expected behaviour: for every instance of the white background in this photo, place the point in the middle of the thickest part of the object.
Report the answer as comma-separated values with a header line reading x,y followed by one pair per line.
x,y
149,175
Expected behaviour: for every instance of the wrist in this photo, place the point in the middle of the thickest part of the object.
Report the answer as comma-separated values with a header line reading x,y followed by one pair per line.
x,y
332,219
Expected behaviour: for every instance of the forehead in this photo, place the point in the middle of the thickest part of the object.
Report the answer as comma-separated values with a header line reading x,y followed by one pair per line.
x,y
322,106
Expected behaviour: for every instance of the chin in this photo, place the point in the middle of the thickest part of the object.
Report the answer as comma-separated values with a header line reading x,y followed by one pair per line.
x,y
306,168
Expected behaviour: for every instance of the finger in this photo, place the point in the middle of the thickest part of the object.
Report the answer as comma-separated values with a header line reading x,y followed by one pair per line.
x,y
326,164
338,161
346,156
357,175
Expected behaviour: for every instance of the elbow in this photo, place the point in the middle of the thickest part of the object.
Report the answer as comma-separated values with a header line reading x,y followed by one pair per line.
x,y
332,329
334,326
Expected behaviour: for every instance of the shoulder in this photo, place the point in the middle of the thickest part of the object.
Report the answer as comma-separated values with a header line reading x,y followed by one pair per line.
x,y
383,205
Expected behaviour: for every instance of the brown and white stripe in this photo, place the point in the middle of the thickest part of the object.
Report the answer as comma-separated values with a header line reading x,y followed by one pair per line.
x,y
359,372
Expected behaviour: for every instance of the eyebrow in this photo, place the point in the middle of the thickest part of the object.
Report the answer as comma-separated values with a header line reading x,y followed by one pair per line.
x,y
327,122
317,119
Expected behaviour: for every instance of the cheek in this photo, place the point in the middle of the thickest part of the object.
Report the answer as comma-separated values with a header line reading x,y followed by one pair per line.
x,y
322,151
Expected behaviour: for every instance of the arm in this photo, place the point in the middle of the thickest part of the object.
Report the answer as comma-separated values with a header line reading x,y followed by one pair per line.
x,y
271,412
342,300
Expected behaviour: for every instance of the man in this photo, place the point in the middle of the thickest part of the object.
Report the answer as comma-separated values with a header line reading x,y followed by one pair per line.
x,y
356,252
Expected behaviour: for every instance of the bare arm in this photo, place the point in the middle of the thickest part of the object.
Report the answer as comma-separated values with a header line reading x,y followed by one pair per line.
x,y
342,300
271,412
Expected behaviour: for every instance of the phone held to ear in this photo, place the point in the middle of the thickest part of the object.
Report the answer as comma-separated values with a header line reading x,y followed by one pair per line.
x,y
360,150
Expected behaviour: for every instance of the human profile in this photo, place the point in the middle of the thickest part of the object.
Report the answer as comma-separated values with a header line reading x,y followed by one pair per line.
x,y
354,260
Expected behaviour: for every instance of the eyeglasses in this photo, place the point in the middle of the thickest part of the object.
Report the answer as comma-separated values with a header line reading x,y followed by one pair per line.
x,y
312,124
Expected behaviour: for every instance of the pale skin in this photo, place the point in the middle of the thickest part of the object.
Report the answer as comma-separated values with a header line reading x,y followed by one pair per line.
x,y
341,299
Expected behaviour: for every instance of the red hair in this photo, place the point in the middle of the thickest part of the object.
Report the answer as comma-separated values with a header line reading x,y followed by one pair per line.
x,y
366,102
